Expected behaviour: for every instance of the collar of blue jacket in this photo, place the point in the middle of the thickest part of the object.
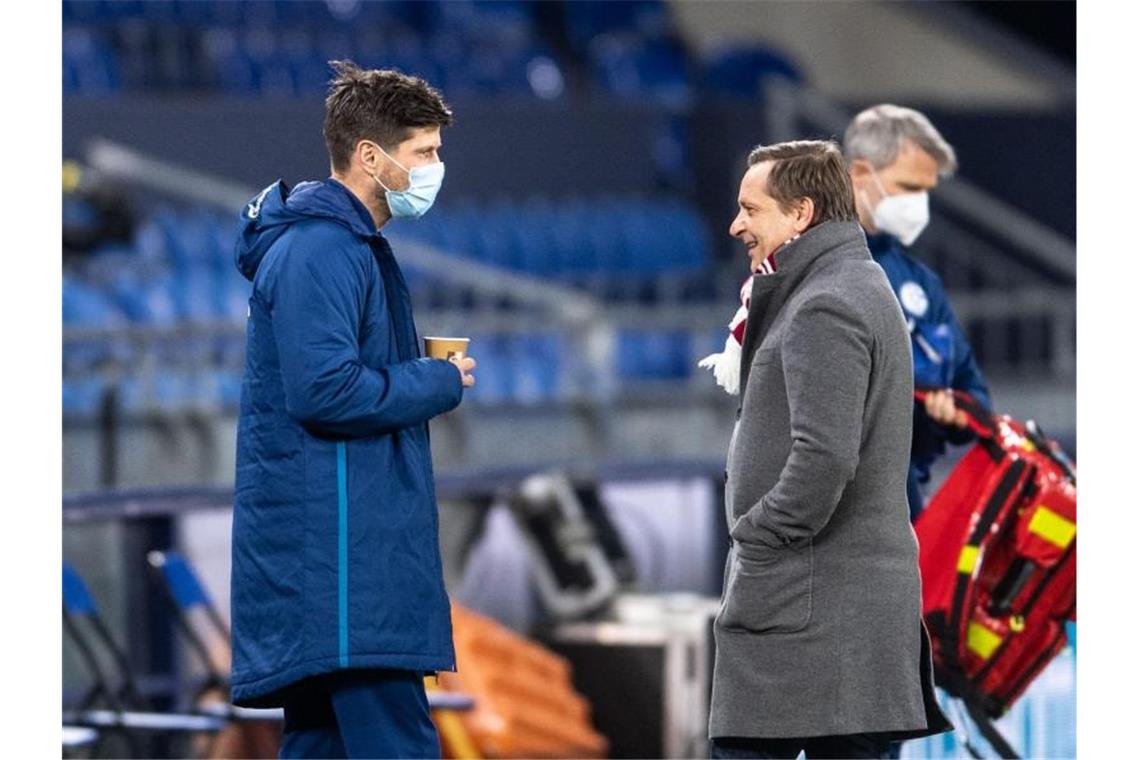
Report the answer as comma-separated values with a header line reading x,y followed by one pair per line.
x,y
881,242
269,213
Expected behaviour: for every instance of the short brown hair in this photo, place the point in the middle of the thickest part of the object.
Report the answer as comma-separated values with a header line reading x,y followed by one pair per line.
x,y
809,169
380,105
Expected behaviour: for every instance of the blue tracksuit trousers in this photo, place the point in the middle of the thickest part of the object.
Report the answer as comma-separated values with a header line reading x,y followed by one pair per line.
x,y
359,714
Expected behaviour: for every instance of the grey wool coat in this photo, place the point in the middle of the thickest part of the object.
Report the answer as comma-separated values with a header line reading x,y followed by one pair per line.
x,y
820,631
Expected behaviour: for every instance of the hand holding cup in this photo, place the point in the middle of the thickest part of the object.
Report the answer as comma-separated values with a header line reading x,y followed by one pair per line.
x,y
465,364
453,350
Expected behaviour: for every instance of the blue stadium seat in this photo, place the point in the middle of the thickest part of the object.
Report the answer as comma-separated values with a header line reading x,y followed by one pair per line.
x,y
571,243
78,212
535,362
194,294
77,599
224,230
740,71
406,14
164,388
89,63
467,13
238,74
496,239
311,75
603,232
207,12
233,296
83,396
87,306
192,238
630,66
334,44
185,588
456,233
145,301
531,223
229,389
150,242
653,355
495,375
585,21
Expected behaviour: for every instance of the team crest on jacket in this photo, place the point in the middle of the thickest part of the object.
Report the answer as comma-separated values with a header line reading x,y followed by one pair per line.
x,y
913,298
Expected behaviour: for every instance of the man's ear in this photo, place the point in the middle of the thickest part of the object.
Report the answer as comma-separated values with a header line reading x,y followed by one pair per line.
x,y
860,171
805,212
368,156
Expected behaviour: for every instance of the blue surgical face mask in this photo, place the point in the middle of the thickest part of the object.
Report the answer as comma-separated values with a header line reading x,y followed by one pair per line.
x,y
423,185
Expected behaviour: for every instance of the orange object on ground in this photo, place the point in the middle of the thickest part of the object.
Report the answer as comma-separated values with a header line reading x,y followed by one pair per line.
x,y
525,702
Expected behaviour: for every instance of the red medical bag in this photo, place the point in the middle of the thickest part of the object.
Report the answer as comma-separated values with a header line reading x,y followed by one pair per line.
x,y
998,554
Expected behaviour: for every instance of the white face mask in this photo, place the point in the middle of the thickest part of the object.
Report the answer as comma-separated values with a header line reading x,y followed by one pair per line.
x,y
905,216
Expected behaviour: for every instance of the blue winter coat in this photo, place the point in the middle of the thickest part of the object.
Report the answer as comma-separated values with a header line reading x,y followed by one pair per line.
x,y
942,355
335,535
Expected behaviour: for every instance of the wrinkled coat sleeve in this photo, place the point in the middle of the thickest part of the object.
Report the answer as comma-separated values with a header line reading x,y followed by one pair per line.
x,y
826,355
318,309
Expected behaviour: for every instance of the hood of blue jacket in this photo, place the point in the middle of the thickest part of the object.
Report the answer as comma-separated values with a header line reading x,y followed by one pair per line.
x,y
269,213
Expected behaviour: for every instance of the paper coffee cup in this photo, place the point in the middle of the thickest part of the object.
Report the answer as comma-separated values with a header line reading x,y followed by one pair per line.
x,y
446,348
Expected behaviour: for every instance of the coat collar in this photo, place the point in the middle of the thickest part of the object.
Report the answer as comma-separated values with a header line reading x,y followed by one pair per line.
x,y
813,249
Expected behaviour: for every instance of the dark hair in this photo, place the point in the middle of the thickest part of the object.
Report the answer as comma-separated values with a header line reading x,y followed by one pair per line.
x,y
809,169
380,105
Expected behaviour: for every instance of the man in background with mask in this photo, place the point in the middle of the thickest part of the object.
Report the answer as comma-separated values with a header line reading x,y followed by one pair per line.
x,y
896,157
339,607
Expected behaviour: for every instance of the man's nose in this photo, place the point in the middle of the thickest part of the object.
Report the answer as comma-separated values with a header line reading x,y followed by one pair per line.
x,y
736,229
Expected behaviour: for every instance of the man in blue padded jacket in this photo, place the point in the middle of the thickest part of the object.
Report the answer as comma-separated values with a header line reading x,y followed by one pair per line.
x,y
896,156
339,608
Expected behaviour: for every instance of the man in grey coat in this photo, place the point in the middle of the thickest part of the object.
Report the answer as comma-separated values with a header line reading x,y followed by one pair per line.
x,y
820,642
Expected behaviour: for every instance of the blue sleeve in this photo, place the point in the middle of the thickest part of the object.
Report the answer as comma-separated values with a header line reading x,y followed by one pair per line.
x,y
317,309
965,376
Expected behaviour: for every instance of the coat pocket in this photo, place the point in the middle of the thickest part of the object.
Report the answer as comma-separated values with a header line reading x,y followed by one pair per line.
x,y
769,590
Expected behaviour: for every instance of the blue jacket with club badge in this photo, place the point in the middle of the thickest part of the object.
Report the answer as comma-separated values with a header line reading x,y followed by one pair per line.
x,y
942,355
336,559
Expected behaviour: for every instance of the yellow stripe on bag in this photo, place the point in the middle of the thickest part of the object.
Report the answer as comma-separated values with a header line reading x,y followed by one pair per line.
x,y
1052,527
981,641
968,559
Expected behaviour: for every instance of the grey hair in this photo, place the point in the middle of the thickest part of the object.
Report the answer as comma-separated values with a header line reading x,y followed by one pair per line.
x,y
877,134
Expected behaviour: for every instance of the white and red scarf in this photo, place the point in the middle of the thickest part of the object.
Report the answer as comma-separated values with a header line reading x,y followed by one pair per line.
x,y
725,366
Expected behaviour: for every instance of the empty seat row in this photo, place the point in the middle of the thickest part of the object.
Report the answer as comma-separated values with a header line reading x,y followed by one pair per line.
x,y
179,263
515,368
419,15
177,270
627,49
618,236
294,61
